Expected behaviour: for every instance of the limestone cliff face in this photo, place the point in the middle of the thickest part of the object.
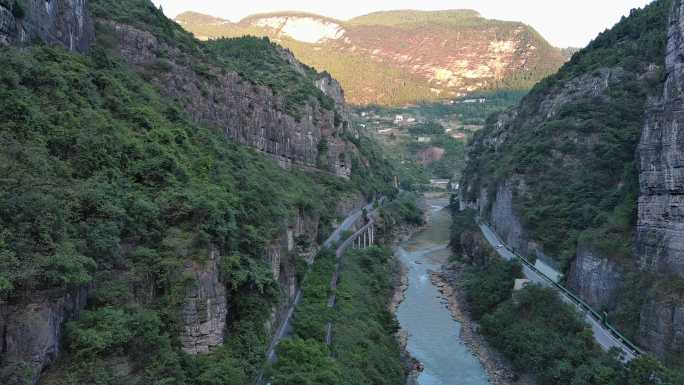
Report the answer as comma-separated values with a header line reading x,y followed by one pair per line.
x,y
61,22
595,278
251,115
205,307
661,326
31,332
660,230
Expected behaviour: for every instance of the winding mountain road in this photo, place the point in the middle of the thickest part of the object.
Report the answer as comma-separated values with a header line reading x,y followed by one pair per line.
x,y
603,335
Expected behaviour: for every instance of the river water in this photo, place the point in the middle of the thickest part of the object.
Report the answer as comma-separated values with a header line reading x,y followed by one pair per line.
x,y
433,334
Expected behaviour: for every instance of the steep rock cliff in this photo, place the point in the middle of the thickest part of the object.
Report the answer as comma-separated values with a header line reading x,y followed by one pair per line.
x,y
660,229
31,331
250,114
500,199
595,278
62,22
661,326
205,308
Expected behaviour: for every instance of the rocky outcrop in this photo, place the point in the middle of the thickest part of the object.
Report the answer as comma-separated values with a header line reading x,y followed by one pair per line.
x,y
660,228
59,22
498,210
205,308
251,115
31,332
661,326
595,279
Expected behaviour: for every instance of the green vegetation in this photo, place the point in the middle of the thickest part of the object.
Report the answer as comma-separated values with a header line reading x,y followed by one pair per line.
x,y
578,164
380,177
403,209
451,163
546,337
104,181
264,63
495,101
490,284
101,177
461,17
462,118
462,224
563,202
256,60
427,129
368,72
107,184
539,333
364,350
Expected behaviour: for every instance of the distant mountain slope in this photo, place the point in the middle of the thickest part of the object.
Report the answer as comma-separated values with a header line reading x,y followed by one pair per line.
x,y
399,57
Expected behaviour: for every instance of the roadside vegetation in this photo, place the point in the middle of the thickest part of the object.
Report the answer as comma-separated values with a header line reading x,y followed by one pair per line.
x,y
539,333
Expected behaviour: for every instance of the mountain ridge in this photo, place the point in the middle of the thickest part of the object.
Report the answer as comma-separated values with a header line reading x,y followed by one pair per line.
x,y
404,56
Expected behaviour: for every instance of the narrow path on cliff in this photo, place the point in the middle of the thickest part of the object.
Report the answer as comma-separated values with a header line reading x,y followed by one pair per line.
x,y
603,334
285,327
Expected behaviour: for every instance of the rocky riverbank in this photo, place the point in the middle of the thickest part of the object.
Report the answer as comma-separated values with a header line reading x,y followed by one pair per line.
x,y
498,368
